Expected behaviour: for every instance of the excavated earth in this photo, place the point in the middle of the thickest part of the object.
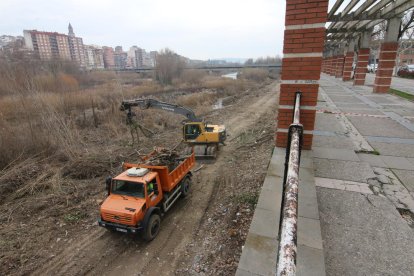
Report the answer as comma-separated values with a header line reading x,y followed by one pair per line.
x,y
202,234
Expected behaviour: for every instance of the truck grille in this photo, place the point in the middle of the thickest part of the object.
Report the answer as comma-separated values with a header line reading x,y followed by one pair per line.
x,y
117,218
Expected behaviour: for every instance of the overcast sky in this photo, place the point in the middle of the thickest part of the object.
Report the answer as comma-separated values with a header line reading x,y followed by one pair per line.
x,y
193,28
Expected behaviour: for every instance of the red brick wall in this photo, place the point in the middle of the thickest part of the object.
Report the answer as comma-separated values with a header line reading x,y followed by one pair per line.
x,y
349,58
339,66
301,65
361,66
387,56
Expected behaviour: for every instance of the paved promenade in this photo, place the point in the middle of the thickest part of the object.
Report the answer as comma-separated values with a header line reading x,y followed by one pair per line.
x,y
356,190
364,172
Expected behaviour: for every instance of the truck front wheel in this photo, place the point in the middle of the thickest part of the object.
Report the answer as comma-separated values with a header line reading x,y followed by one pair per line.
x,y
153,227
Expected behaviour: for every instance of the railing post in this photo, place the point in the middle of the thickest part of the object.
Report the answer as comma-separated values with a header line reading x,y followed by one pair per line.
x,y
286,264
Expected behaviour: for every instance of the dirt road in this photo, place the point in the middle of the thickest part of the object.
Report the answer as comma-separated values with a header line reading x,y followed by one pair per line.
x,y
101,252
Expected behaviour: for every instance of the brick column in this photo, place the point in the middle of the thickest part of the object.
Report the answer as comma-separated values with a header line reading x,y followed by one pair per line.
x,y
348,61
334,62
301,65
387,56
361,66
333,65
339,66
324,64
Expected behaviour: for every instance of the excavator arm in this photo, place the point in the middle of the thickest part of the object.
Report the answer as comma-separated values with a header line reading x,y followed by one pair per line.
x,y
151,103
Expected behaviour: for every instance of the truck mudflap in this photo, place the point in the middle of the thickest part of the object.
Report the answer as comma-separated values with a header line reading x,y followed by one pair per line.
x,y
119,227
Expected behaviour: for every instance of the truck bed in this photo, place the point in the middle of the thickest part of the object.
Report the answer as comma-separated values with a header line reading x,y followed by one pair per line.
x,y
169,179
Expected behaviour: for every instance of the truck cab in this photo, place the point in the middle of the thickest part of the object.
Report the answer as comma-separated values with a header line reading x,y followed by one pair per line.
x,y
130,194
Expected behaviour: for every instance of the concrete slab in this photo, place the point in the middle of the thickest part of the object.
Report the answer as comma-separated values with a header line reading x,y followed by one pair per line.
x,y
259,255
344,185
396,162
273,183
344,98
390,140
308,204
370,111
242,272
310,261
270,200
372,159
356,105
309,233
394,149
345,170
339,142
380,127
264,223
381,99
406,177
335,154
306,163
328,122
364,235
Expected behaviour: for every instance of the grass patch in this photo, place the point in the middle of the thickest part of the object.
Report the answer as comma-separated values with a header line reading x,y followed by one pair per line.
x,y
74,217
374,152
402,94
247,198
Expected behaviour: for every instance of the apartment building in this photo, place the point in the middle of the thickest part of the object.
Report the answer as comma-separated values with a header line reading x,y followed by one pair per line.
x,y
94,57
53,45
108,57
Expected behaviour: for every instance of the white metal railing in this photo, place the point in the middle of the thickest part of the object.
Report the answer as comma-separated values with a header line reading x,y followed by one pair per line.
x,y
286,264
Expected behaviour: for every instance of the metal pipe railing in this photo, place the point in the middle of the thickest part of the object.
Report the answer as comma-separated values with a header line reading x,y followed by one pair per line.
x,y
286,264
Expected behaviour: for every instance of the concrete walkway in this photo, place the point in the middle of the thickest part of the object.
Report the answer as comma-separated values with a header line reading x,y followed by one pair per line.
x,y
402,84
358,220
364,173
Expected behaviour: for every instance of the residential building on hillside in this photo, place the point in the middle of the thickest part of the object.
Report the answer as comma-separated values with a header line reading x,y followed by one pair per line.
x,y
8,42
108,57
52,45
76,48
94,57
120,58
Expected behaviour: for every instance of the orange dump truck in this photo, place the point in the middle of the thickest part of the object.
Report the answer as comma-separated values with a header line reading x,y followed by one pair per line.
x,y
141,193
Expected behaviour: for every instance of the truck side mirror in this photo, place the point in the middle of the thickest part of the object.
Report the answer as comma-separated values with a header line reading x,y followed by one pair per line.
x,y
108,182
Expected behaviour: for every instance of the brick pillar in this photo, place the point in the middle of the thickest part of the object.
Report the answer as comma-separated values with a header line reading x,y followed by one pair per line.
x,y
339,66
324,65
332,65
387,56
349,59
301,65
334,62
361,66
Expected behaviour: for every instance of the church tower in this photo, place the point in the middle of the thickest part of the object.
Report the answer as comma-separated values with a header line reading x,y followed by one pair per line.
x,y
71,33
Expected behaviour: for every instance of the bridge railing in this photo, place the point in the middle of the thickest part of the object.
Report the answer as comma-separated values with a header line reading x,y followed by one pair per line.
x,y
286,263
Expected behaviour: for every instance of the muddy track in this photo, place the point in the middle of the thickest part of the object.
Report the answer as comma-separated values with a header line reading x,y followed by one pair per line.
x,y
102,252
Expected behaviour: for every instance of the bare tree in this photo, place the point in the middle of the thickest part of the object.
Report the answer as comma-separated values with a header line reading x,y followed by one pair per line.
x,y
168,66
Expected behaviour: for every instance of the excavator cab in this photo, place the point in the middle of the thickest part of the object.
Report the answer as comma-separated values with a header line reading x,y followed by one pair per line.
x,y
192,131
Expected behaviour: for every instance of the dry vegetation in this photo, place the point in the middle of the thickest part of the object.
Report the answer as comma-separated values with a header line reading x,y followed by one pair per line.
x,y
62,128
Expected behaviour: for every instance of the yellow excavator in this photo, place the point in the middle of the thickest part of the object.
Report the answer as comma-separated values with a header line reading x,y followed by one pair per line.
x,y
204,138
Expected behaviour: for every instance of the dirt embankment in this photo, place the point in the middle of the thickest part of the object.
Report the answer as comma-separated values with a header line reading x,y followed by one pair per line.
x,y
201,234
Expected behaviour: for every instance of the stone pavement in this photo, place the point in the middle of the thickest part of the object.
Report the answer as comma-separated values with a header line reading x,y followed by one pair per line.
x,y
364,172
402,84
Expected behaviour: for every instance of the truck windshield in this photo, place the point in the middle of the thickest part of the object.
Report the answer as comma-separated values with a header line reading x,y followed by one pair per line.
x,y
122,187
